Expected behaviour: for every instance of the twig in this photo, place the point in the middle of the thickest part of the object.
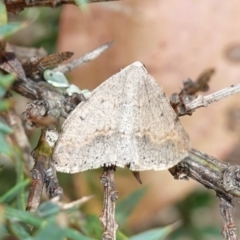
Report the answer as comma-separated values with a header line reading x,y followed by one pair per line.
x,y
56,104
110,196
20,137
83,59
43,171
35,190
210,172
214,174
16,6
25,53
226,209
204,101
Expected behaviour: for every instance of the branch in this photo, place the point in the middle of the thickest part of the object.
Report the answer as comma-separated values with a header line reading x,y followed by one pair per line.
x,y
43,172
26,53
16,6
204,101
83,59
110,196
210,172
214,174
226,209
20,136
51,101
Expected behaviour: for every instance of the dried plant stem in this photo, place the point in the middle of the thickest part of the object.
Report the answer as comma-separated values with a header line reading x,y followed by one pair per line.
x,y
43,173
16,6
26,53
83,59
214,174
210,172
110,196
35,190
204,101
226,209
20,137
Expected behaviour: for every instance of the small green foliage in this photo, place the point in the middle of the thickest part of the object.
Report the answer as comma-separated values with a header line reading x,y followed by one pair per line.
x,y
92,227
5,104
127,205
48,208
19,230
3,13
9,196
82,4
155,234
5,129
10,28
5,83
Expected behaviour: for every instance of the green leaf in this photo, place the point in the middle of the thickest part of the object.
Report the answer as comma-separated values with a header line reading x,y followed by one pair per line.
x,y
2,92
22,216
7,80
212,231
10,28
92,227
19,160
53,231
48,208
3,13
75,235
5,129
83,4
127,205
3,230
19,230
13,192
5,147
5,105
155,234
121,236
50,231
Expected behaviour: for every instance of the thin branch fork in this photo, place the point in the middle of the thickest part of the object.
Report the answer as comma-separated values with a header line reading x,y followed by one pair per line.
x,y
204,101
83,59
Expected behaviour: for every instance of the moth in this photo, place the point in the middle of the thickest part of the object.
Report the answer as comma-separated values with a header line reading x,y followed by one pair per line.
x,y
126,121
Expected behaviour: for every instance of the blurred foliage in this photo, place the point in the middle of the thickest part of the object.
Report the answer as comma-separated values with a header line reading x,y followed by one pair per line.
x,y
42,28
194,212
5,104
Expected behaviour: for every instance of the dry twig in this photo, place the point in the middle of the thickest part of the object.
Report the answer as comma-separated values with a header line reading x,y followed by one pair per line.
x,y
20,136
110,197
220,176
83,59
25,53
16,6
43,172
204,101
226,209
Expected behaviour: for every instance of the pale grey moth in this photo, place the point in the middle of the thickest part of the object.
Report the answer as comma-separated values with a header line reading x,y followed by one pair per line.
x,y
127,120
